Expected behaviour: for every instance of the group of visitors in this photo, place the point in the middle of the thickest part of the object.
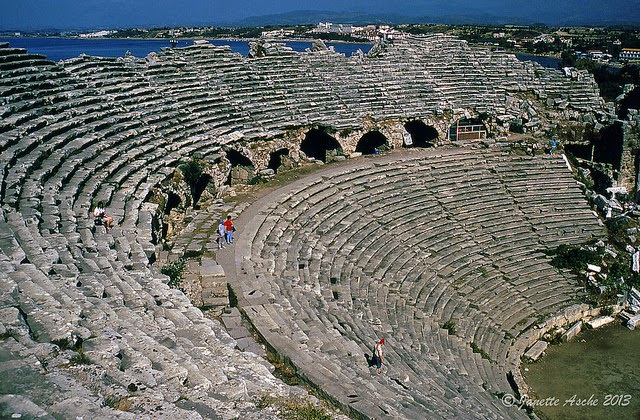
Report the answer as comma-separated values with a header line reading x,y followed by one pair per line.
x,y
225,232
225,227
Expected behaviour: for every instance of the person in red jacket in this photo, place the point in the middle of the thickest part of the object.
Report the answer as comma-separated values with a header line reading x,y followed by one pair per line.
x,y
229,229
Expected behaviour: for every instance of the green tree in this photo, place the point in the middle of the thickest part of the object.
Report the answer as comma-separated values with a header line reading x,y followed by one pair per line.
x,y
567,59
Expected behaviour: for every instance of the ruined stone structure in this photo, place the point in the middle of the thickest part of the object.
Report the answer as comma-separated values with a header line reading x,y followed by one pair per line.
x,y
115,130
403,247
629,158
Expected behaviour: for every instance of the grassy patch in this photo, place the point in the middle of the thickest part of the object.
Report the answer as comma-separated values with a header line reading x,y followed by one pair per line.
x,y
5,335
233,299
617,276
450,326
118,403
258,179
294,408
280,179
79,359
174,271
477,349
283,371
606,311
575,258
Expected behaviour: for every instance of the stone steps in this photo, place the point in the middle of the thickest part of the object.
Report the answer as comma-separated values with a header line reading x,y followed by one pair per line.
x,y
384,237
372,269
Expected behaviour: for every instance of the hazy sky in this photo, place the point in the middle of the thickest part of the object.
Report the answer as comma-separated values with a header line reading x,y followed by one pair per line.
x,y
64,14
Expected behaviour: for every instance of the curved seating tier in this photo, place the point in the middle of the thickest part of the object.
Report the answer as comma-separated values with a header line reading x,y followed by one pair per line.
x,y
72,136
396,246
90,129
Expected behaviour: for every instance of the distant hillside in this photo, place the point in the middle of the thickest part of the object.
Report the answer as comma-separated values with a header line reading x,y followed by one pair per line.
x,y
302,17
605,16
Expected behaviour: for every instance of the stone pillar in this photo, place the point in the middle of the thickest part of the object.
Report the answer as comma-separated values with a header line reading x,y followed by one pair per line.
x,y
629,175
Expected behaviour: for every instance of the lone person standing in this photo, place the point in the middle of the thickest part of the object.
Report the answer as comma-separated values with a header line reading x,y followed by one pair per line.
x,y
378,355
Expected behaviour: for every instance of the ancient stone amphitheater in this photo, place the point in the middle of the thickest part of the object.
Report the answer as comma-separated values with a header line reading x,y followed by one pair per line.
x,y
394,245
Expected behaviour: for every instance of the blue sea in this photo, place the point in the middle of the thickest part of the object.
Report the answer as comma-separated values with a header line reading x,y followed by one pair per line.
x,y
56,49
544,61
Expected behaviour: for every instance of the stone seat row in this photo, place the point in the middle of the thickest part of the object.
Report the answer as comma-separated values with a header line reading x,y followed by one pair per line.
x,y
128,125
302,247
436,350
108,321
138,178
68,245
129,297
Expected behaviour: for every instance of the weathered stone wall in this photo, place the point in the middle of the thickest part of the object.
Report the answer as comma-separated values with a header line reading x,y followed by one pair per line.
x,y
262,103
629,174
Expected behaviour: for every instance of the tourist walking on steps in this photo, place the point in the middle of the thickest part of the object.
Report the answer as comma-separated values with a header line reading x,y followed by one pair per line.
x,y
229,229
378,356
222,233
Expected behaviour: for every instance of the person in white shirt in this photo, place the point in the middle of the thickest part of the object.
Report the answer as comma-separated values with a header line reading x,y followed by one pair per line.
x,y
221,234
101,218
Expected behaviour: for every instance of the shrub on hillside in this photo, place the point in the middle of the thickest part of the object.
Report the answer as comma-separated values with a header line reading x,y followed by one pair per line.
x,y
575,258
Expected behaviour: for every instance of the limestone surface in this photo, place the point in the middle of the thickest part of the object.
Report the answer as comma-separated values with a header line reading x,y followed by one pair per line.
x,y
93,330
440,252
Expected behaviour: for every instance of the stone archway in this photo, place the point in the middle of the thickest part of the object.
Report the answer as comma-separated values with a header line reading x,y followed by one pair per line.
x,y
316,143
242,168
609,146
173,201
420,134
275,159
467,129
370,142
579,150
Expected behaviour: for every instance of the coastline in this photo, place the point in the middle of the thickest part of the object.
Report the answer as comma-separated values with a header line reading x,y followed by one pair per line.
x,y
180,38
57,48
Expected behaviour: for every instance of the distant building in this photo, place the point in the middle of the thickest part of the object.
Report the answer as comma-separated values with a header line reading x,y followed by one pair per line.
x,y
279,33
630,54
567,41
331,28
547,39
598,55
386,32
370,32
98,34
